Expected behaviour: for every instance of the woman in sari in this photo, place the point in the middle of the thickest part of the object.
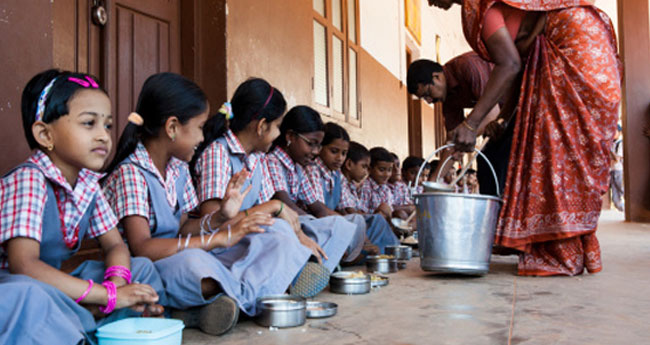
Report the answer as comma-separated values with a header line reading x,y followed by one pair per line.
x,y
556,63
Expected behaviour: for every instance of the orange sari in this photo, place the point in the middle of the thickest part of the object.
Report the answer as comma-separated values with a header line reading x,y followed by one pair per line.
x,y
565,123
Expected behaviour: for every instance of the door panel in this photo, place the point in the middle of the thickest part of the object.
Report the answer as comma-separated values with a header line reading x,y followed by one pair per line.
x,y
142,38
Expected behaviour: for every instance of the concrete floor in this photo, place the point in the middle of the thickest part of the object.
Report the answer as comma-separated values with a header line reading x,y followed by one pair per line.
x,y
611,307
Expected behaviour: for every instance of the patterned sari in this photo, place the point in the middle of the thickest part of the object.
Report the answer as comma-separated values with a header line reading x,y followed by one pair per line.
x,y
565,123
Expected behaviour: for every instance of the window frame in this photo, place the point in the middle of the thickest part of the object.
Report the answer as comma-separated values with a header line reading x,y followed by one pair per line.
x,y
332,31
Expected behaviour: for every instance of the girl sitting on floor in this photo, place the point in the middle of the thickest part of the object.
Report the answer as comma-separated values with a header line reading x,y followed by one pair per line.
x,y
48,205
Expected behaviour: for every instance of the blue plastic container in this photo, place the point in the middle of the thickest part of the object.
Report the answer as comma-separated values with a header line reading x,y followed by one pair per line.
x,y
141,331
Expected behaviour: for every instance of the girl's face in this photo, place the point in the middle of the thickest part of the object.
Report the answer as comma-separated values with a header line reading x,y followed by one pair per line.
x,y
381,171
268,132
304,146
82,138
334,153
189,136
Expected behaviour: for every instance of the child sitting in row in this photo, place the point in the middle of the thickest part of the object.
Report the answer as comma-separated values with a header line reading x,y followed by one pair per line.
x,y
375,195
328,182
48,205
402,202
301,134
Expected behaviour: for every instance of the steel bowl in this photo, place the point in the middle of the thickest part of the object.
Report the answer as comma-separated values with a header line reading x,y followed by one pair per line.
x,y
377,263
281,311
402,252
377,280
341,282
317,310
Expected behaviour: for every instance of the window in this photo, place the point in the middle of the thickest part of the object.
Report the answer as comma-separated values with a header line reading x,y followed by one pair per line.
x,y
336,51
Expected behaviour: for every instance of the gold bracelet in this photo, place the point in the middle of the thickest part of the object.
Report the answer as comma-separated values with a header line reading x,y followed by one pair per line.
x,y
464,123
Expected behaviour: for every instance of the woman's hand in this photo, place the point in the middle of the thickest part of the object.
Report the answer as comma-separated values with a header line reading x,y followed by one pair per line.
x,y
316,250
463,138
136,297
234,197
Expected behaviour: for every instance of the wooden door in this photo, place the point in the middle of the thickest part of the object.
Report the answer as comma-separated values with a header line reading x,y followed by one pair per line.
x,y
414,119
142,37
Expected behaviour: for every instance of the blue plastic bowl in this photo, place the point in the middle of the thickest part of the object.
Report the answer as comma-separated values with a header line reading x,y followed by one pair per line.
x,y
141,330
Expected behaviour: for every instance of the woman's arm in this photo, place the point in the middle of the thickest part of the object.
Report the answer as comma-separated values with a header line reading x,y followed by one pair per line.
x,y
508,65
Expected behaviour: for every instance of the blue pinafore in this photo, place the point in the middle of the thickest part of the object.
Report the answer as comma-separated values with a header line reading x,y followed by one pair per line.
x,y
45,312
334,234
243,271
376,227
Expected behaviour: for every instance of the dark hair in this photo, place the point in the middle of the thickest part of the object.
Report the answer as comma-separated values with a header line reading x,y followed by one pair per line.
x,y
380,154
249,102
411,162
395,158
56,103
357,152
334,131
300,119
434,164
163,95
421,72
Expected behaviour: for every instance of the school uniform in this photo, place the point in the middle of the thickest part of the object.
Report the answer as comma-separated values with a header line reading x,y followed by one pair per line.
x,y
137,188
400,193
373,194
336,195
334,234
37,202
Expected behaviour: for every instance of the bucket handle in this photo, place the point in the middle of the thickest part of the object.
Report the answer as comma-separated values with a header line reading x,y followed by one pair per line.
x,y
417,178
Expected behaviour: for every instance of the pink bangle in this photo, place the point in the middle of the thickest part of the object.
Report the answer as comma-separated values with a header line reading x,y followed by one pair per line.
x,y
83,295
118,271
111,290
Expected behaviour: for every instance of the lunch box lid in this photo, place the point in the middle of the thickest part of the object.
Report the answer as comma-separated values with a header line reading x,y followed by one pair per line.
x,y
140,328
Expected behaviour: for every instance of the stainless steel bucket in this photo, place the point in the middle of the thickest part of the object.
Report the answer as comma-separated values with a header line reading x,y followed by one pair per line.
x,y
456,231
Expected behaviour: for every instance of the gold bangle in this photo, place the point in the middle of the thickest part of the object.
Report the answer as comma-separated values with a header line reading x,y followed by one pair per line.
x,y
464,123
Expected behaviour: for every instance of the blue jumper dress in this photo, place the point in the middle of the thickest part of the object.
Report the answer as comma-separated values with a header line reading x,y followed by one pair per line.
x,y
377,229
258,265
34,312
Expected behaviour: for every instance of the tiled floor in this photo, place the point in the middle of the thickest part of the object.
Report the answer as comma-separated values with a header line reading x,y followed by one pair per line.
x,y
612,307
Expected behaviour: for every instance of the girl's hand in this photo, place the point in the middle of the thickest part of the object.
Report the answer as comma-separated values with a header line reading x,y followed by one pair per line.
x,y
250,224
316,250
291,217
234,197
136,297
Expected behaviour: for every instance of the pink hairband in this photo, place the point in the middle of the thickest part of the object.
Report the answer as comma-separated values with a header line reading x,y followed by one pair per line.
x,y
89,83
40,107
268,99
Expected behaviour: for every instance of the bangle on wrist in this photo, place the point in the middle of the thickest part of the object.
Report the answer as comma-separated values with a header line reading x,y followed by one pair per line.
x,y
276,214
83,295
464,123
118,271
111,299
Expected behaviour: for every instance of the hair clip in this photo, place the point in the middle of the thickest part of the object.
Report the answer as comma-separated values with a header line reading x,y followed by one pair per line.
x,y
226,110
135,119
89,82
40,107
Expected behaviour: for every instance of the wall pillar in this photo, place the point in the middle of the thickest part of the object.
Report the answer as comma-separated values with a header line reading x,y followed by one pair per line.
x,y
634,31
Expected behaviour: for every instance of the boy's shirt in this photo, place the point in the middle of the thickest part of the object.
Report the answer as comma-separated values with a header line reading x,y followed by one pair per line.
x,y
318,173
23,196
400,194
373,194
289,177
127,191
